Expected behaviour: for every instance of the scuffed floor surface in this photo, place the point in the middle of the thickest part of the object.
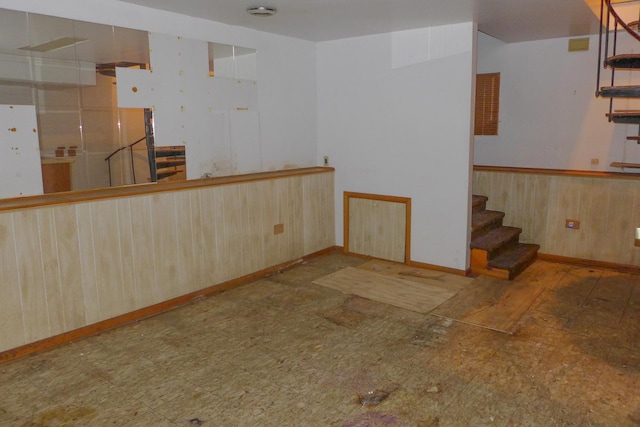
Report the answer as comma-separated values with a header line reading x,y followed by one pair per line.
x,y
285,352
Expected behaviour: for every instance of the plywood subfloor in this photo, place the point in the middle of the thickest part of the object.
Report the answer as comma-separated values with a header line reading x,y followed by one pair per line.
x,y
450,282
283,352
491,303
399,292
484,301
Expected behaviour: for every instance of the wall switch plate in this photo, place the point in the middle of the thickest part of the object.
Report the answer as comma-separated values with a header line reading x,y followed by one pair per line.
x,y
572,223
278,229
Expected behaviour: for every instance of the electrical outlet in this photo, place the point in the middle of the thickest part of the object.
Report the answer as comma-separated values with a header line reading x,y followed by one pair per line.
x,y
595,162
326,160
572,223
278,229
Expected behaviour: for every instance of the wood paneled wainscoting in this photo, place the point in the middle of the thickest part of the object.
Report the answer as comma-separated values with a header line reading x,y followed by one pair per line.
x,y
377,226
79,259
539,201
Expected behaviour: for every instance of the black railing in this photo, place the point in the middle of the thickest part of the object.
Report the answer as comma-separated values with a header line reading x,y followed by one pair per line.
x,y
130,148
608,44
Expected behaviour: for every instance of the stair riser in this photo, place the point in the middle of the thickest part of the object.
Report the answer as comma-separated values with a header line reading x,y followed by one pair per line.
x,y
487,228
479,207
530,260
478,203
492,272
506,246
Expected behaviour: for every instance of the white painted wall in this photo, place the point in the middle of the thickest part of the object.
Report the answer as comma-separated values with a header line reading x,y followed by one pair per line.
x,y
186,103
394,117
20,171
286,68
549,115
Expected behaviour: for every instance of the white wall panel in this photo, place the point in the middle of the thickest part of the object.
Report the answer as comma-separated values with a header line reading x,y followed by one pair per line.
x,y
20,172
549,114
394,117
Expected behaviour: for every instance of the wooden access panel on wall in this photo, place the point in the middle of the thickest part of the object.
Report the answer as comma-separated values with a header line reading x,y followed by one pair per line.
x,y
377,226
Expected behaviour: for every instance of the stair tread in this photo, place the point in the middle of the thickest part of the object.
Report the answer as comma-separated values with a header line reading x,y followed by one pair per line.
x,y
496,238
626,116
481,219
620,91
170,163
515,258
170,152
627,60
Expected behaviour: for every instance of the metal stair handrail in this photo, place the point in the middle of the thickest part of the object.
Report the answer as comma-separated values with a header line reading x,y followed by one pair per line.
x,y
620,21
130,147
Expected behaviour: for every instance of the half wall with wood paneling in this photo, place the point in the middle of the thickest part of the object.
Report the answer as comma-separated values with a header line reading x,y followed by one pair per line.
x,y
607,206
66,266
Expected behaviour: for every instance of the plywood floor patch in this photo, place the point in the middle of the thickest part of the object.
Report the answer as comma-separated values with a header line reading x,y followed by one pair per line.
x,y
399,292
451,282
491,303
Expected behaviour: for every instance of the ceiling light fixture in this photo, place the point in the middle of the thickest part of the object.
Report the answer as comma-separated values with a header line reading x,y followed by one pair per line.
x,y
262,11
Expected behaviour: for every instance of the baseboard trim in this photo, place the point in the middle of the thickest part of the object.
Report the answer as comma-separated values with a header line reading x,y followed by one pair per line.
x,y
622,268
153,310
449,270
416,264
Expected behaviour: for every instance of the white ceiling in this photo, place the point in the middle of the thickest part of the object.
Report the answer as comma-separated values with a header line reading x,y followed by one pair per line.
x,y
321,20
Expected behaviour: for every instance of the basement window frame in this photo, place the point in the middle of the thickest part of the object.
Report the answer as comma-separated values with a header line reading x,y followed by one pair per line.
x,y
487,104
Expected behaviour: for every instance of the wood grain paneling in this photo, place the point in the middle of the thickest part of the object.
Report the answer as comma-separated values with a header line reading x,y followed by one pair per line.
x,y
86,263
67,266
51,272
196,270
295,247
606,206
31,275
252,222
68,257
165,244
108,258
125,241
186,260
377,226
12,332
145,275
211,214
317,211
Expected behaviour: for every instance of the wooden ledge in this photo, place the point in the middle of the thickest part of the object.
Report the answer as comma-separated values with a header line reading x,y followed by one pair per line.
x,y
141,189
560,172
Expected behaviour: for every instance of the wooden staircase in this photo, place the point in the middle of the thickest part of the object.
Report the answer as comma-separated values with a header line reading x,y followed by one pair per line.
x,y
496,249
170,163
